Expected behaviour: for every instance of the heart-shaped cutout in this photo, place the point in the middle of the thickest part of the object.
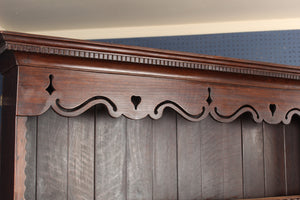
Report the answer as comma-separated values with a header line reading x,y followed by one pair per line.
x,y
136,100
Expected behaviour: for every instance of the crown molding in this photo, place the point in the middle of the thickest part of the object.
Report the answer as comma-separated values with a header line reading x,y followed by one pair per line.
x,y
18,42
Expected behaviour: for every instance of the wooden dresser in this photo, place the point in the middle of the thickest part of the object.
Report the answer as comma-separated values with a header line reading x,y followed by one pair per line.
x,y
95,121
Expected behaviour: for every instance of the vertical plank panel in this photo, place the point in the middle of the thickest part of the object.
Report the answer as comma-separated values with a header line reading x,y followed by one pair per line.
x,y
189,159
292,138
52,156
140,159
30,170
212,159
209,159
110,169
274,160
253,161
222,159
81,156
165,158
232,155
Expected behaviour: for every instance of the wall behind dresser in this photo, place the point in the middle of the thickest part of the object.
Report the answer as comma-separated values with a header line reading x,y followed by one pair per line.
x,y
281,47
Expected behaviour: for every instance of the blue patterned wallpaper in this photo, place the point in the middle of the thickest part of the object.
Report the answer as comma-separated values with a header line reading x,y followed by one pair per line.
x,y
281,47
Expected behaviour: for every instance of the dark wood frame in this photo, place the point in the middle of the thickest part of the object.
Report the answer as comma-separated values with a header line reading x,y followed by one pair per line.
x,y
45,72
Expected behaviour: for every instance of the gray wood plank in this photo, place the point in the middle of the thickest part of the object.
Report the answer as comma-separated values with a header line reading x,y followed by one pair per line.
x,y
253,159
165,158
52,157
30,170
232,155
189,159
274,160
110,170
139,159
212,159
209,159
81,156
292,139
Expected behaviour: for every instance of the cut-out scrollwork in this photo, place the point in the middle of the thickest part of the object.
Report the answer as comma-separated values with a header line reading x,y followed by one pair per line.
x,y
122,96
160,107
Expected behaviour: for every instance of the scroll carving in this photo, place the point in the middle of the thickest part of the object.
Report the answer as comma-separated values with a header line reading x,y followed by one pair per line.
x,y
237,113
84,106
138,97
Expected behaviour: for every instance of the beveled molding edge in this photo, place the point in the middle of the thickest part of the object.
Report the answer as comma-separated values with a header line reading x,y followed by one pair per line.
x,y
147,60
139,55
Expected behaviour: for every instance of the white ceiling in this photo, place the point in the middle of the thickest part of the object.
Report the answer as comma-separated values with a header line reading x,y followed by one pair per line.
x,y
62,16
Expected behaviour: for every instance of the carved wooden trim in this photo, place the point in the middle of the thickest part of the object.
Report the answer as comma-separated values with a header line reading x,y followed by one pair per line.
x,y
70,76
138,97
121,53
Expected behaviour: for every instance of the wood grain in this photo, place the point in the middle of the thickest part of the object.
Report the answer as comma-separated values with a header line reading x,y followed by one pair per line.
x,y
209,160
274,160
292,134
20,163
136,159
232,159
30,157
139,159
110,157
189,159
36,44
212,159
52,157
188,98
8,134
221,159
81,156
253,159
165,157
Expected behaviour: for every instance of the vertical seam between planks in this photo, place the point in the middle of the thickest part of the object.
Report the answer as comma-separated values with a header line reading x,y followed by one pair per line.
x,y
242,156
95,142
264,166
284,151
223,160
36,155
126,159
152,152
68,147
201,149
177,175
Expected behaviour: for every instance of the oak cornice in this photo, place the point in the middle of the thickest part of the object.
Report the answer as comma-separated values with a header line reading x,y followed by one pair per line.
x,y
18,42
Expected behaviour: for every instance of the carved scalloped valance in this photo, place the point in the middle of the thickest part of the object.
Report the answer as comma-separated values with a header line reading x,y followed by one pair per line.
x,y
71,76
71,93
